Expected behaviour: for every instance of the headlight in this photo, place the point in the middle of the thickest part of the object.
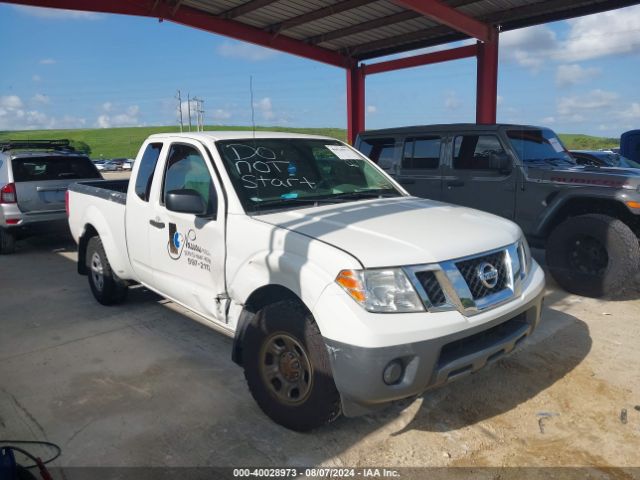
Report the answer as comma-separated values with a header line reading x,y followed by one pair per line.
x,y
381,290
525,257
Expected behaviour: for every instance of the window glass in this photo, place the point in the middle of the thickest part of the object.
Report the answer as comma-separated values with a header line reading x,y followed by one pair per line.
x,y
476,152
186,169
146,169
539,146
33,169
421,153
381,150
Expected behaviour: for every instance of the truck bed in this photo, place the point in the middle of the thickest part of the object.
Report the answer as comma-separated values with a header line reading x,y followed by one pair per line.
x,y
113,190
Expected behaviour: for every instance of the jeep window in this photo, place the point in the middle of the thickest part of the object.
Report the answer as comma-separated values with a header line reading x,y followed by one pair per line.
x,y
146,169
421,153
34,169
381,150
288,172
186,169
539,146
476,152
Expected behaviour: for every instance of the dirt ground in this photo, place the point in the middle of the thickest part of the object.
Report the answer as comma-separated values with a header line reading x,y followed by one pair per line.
x,y
142,384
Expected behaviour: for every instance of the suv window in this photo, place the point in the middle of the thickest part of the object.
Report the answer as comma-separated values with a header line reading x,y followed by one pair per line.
x,y
146,169
421,153
34,169
187,169
474,152
380,150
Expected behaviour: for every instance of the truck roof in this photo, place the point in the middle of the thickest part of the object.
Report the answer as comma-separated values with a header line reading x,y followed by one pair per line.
x,y
236,135
444,127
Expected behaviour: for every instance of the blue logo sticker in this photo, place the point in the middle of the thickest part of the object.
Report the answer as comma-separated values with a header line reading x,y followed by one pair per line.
x,y
292,169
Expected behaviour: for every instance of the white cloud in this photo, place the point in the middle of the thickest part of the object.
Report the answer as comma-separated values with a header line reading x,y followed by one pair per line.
x,y
633,112
372,109
451,101
244,51
567,75
220,114
14,117
41,99
528,47
36,78
56,13
608,33
594,100
111,118
265,108
47,61
10,102
548,120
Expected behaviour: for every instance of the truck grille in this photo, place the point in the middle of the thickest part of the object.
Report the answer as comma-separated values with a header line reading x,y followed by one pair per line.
x,y
469,270
432,287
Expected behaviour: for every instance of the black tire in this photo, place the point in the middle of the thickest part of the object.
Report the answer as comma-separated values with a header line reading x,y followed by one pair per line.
x,y
593,255
105,285
318,401
7,242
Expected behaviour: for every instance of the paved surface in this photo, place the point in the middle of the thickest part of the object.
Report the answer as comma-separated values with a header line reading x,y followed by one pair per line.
x,y
142,384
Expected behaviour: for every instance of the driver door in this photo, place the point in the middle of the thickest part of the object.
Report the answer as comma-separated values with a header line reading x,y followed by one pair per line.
x,y
188,250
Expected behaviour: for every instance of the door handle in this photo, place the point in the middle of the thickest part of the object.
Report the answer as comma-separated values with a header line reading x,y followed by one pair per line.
x,y
455,183
407,181
156,224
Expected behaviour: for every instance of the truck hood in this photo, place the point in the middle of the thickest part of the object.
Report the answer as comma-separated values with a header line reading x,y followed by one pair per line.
x,y
588,176
399,231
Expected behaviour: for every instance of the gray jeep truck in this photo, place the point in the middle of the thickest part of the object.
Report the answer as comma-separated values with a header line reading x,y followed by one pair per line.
x,y
34,176
587,217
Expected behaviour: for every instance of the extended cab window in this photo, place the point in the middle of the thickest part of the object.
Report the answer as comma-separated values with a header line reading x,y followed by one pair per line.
x,y
33,169
476,152
187,169
381,150
421,153
146,169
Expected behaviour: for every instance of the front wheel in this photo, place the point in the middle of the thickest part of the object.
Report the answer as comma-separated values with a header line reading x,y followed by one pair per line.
x,y
287,367
105,285
593,255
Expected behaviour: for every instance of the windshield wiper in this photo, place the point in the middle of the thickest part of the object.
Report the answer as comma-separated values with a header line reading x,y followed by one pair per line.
x,y
284,202
549,161
367,194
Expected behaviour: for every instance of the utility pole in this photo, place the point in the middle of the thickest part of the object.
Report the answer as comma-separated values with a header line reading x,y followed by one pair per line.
x,y
197,107
179,97
189,105
199,113
202,114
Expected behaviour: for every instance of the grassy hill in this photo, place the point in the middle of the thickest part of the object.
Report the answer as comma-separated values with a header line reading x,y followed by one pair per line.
x,y
124,142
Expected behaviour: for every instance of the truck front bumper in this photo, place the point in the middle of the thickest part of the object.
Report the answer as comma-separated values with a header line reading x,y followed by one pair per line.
x,y
359,372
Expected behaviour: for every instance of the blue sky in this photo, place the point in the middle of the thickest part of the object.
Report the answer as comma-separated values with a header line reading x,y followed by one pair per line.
x,y
78,70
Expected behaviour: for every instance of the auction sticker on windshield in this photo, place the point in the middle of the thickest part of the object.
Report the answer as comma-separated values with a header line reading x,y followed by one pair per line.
x,y
343,153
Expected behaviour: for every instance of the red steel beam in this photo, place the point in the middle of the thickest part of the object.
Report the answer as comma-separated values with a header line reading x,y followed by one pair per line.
x,y
191,17
441,13
424,59
355,102
487,82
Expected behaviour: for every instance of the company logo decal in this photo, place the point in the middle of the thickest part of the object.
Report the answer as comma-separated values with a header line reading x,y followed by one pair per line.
x,y
180,245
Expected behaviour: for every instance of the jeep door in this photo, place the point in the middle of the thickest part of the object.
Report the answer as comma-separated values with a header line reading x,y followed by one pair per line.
x,y
480,173
421,169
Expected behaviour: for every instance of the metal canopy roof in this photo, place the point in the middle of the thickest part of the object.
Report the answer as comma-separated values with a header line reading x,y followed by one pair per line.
x,y
364,29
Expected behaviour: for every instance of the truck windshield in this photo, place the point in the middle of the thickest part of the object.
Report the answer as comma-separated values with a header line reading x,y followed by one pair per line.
x,y
539,146
270,173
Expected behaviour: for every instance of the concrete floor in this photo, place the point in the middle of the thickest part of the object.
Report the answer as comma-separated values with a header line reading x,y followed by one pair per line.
x,y
143,385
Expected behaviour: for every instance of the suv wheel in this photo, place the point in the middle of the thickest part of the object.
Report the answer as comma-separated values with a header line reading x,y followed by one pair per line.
x,y
287,367
7,242
593,255
105,285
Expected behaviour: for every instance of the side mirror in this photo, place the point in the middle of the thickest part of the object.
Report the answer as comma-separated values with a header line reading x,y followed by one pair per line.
x,y
185,201
501,162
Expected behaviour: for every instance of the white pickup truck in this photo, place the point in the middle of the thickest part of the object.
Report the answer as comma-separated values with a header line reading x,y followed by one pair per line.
x,y
341,291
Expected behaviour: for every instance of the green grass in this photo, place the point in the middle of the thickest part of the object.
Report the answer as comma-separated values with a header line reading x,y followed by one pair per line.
x,y
124,142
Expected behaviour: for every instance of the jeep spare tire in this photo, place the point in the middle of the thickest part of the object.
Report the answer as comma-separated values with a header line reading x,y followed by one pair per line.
x,y
593,255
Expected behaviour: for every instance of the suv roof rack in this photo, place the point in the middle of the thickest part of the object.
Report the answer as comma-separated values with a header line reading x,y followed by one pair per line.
x,y
60,145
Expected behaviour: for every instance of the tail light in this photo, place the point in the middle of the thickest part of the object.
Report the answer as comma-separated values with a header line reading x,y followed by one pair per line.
x,y
66,201
8,193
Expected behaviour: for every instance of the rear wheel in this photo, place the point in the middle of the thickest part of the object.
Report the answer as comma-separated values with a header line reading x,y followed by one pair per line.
x,y
105,285
7,242
287,367
593,255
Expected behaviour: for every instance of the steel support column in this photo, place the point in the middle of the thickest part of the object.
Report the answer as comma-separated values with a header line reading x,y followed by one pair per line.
x,y
487,81
355,102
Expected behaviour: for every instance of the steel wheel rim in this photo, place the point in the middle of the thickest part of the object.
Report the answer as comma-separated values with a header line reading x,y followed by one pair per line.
x,y
285,368
589,256
97,271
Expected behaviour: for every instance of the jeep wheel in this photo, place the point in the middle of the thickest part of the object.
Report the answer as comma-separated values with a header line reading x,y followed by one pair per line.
x,y
105,285
7,242
287,367
593,255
